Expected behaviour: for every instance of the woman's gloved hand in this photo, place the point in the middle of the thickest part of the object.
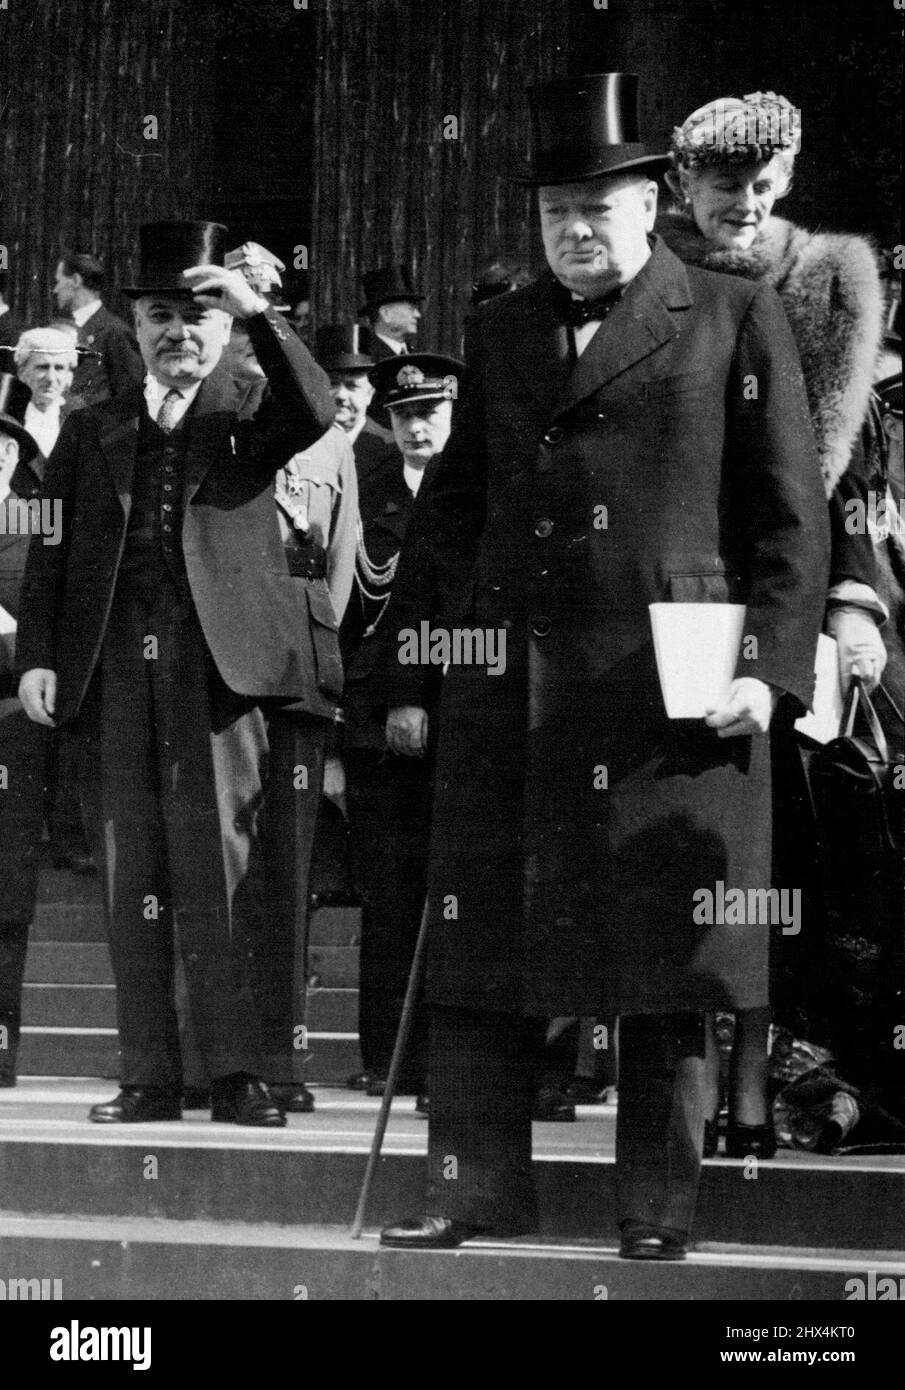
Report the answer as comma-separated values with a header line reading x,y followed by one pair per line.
x,y
861,648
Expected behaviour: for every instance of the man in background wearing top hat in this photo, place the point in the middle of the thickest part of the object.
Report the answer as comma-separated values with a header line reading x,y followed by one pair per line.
x,y
389,789
391,305
341,351
162,621
23,745
608,453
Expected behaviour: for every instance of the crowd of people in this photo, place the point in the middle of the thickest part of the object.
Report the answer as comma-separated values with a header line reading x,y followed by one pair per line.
x,y
697,405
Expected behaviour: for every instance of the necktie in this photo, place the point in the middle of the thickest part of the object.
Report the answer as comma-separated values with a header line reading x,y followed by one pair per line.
x,y
166,418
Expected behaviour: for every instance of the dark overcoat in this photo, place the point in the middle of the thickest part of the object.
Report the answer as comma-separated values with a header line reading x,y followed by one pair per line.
x,y
110,364
270,634
574,822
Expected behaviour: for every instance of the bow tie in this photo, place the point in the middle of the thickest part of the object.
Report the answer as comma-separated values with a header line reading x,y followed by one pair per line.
x,y
579,311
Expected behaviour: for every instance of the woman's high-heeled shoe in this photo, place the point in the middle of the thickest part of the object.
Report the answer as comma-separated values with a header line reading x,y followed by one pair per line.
x,y
750,1141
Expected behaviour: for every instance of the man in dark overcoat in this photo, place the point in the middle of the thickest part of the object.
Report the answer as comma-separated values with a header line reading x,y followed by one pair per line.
x,y
23,746
163,621
632,432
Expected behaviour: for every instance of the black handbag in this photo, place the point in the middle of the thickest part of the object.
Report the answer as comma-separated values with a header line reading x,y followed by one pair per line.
x,y
859,788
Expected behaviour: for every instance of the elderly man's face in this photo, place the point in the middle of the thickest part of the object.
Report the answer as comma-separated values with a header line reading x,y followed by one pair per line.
x,y
181,341
351,392
399,317
731,203
48,375
595,233
421,429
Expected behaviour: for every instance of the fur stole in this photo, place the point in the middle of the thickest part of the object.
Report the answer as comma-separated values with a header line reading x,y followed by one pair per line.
x,y
830,289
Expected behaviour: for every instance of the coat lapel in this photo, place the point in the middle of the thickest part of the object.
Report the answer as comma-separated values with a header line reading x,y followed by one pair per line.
x,y
210,421
538,345
118,430
640,323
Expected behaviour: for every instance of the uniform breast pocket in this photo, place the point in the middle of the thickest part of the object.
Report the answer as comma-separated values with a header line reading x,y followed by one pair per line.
x,y
307,492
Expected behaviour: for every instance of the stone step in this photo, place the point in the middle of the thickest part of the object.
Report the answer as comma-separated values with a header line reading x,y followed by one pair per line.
x,y
68,963
333,1010
100,1258
94,1006
54,1162
333,967
85,921
66,922
93,1051
69,1006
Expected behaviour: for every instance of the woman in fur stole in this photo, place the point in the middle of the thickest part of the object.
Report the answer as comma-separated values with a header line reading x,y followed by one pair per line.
x,y
732,160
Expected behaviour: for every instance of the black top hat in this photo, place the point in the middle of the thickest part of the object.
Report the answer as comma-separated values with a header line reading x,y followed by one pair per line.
x,y
14,397
416,376
585,127
169,248
387,283
339,348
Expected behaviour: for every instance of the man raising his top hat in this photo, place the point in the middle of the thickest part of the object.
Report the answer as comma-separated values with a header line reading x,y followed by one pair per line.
x,y
161,622
632,431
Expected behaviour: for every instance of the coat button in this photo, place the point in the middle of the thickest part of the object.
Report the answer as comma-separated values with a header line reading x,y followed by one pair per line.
x,y
554,434
544,528
541,626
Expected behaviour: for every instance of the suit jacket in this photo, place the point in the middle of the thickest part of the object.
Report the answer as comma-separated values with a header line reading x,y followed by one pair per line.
x,y
12,326
574,822
111,365
269,634
25,486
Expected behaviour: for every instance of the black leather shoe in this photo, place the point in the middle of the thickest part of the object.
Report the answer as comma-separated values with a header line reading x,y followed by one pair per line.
x,y
359,1081
423,1104
711,1138
136,1106
750,1141
641,1242
244,1100
552,1105
295,1100
376,1086
196,1098
429,1233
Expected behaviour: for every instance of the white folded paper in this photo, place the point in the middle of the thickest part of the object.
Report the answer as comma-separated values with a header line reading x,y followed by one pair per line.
x,y
697,647
822,723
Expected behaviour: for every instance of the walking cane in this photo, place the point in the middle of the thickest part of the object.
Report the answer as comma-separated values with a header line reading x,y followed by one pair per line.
x,y
405,1023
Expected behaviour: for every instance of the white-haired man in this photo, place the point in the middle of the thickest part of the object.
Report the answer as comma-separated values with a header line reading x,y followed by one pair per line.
x,y
46,359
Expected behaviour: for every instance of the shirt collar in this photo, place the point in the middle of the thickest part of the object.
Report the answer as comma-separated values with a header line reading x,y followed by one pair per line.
x,y
83,313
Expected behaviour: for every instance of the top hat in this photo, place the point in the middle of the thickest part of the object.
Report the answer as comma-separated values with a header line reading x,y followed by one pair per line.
x,y
586,127
339,348
387,283
416,376
166,249
14,397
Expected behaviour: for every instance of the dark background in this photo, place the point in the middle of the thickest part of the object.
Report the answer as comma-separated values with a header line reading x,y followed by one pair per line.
x,y
323,127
